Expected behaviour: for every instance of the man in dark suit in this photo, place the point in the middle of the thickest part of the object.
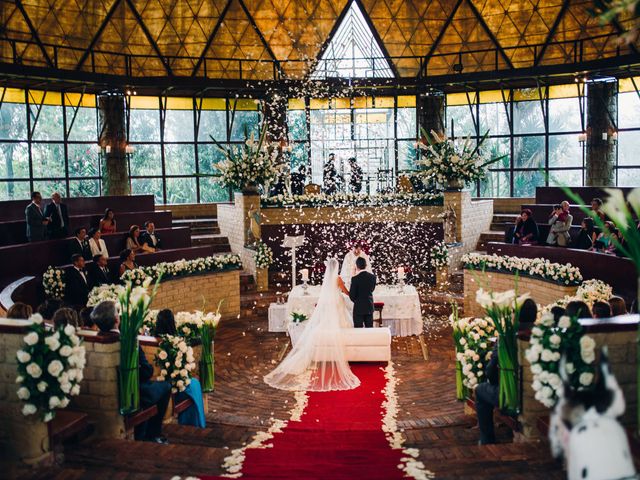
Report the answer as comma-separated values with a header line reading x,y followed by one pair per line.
x,y
77,286
150,237
99,272
79,245
57,211
152,393
363,284
36,220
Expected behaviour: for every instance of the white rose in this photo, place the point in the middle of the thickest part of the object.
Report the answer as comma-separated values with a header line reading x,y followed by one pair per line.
x,y
70,330
52,342
54,402
564,322
31,338
66,387
162,355
66,350
34,370
23,357
570,368
64,402
555,339
42,386
29,409
36,318
75,390
23,393
586,378
55,368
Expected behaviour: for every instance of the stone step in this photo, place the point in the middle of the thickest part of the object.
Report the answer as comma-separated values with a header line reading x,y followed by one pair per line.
x,y
195,223
209,239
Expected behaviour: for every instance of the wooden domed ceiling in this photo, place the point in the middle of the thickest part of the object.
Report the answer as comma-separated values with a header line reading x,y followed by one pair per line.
x,y
252,39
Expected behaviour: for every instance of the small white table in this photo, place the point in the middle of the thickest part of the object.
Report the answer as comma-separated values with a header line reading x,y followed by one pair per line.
x,y
278,318
401,312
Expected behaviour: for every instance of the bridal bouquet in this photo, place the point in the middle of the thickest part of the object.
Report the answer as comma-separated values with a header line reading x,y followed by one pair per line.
x,y
176,361
50,368
459,326
53,282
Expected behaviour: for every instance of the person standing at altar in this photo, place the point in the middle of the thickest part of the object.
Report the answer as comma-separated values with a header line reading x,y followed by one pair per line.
x,y
330,175
355,181
59,215
35,219
349,263
361,294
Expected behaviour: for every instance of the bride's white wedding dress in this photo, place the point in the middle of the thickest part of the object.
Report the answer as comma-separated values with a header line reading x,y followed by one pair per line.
x,y
317,361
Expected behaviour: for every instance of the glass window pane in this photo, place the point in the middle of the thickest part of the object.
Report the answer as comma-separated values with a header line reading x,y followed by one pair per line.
x,y
497,147
181,190
84,188
462,121
331,124
49,187
564,115
297,123
208,156
299,155
493,117
144,125
565,151
179,160
527,117
83,160
14,160
13,121
525,183
178,126
149,186
628,177
48,160
146,160
496,184
373,123
559,178
211,191
49,124
628,110
14,190
528,152
84,126
407,154
407,123
244,123
628,143
213,123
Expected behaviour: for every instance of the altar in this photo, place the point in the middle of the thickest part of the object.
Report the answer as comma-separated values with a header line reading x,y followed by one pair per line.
x,y
401,312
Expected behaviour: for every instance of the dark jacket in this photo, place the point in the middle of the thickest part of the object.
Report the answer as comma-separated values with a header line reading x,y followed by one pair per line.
x,y
583,241
58,227
492,371
36,230
81,249
97,277
146,238
528,231
76,290
361,292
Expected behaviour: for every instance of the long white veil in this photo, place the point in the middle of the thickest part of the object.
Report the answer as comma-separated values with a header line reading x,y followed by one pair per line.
x,y
317,361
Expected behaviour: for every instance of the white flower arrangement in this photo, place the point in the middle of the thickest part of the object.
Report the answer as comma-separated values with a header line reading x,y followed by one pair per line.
x,y
548,343
264,255
176,361
439,255
104,293
183,267
589,292
533,267
50,368
189,324
473,348
53,282
353,200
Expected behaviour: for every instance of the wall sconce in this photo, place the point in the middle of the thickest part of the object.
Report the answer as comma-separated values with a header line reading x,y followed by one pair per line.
x,y
107,149
582,137
129,149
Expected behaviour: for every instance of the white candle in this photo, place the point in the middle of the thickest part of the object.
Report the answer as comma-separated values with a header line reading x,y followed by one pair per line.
x,y
305,274
400,272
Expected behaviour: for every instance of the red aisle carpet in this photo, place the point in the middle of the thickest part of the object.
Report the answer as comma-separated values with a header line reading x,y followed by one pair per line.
x,y
339,437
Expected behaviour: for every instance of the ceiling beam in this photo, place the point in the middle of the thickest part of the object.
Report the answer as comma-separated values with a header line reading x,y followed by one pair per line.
x,y
98,34
34,33
552,32
436,42
151,40
264,41
214,32
493,38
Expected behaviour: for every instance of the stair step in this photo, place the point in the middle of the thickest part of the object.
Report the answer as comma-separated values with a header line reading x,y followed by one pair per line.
x,y
209,239
195,222
504,217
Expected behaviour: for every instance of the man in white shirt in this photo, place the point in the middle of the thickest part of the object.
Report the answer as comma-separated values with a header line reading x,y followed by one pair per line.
x,y
349,263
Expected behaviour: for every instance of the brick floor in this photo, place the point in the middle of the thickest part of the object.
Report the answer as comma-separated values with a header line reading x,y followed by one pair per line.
x,y
432,420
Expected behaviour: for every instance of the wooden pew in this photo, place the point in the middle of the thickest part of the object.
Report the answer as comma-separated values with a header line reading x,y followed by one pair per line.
x,y
552,195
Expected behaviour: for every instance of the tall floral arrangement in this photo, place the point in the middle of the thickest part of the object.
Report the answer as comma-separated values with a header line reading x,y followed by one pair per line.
x,y
208,329
476,354
50,368
176,361
503,308
53,282
439,255
264,255
110,292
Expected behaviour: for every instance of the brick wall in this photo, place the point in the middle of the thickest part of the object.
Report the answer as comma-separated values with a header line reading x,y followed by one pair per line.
x,y
191,210
233,220
201,291
511,204
472,217
22,439
541,291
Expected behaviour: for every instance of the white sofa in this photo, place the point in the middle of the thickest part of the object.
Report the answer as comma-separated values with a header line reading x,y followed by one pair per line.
x,y
361,344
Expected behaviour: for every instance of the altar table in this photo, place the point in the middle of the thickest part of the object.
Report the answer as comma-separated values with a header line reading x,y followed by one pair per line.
x,y
401,312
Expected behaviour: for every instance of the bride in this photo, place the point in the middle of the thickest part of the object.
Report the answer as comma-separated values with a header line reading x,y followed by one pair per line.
x,y
317,361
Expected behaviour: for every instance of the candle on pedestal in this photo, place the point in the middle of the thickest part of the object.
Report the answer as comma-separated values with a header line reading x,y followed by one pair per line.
x,y
304,273
400,273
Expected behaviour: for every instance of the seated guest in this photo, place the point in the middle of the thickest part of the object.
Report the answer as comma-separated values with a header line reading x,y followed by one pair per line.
x,y
57,212
99,271
526,229
86,322
194,415
20,311
487,393
77,286
560,221
78,245
134,242
107,222
601,310
618,306
605,242
35,219
96,243
584,241
49,307
127,261
596,207
557,312
152,393
150,237
578,309
65,316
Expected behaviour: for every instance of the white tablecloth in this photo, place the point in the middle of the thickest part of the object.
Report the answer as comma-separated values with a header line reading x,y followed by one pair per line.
x,y
401,312
278,317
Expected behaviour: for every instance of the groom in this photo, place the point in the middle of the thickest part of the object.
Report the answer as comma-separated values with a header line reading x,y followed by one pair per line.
x,y
361,294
